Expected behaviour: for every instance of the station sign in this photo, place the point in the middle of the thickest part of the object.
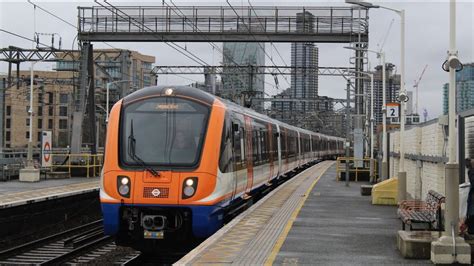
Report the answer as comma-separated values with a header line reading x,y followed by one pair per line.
x,y
46,148
393,110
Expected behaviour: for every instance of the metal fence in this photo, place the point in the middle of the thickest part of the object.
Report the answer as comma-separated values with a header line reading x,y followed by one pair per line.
x,y
356,166
91,164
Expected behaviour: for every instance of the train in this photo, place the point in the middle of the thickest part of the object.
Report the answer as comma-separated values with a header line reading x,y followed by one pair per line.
x,y
178,161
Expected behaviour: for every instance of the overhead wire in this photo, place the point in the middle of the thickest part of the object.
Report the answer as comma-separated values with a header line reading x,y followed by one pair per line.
x,y
21,36
209,41
271,43
170,44
74,26
63,20
263,48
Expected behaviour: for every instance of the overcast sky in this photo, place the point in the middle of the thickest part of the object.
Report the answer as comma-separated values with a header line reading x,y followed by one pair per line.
x,y
427,40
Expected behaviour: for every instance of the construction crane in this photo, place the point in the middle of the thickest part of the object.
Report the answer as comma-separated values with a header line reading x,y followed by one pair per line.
x,y
415,87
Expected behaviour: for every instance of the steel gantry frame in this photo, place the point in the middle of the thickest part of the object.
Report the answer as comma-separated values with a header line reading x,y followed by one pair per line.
x,y
221,24
16,55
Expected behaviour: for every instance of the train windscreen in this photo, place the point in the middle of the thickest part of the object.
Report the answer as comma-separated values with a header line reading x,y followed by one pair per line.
x,y
163,131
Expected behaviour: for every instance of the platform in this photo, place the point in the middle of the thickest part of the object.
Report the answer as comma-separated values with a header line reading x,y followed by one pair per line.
x,y
15,193
311,219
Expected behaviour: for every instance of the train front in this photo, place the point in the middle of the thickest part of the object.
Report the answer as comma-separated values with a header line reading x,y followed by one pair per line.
x,y
160,168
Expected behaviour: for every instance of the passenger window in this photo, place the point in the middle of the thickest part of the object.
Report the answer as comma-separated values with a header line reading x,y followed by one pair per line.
x,y
225,160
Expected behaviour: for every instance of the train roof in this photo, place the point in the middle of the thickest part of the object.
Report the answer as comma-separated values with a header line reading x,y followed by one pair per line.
x,y
210,98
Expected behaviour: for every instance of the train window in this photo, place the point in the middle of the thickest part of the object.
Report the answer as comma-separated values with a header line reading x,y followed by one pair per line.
x,y
284,143
236,143
239,146
243,136
163,131
274,142
255,147
291,144
266,145
225,159
306,147
260,143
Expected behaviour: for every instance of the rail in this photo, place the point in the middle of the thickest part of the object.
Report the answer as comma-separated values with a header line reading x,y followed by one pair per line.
x,y
353,168
91,163
52,248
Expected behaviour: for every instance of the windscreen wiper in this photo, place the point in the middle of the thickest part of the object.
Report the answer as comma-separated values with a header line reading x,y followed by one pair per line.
x,y
134,156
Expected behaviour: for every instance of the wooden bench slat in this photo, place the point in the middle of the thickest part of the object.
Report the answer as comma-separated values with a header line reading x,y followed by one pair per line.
x,y
421,211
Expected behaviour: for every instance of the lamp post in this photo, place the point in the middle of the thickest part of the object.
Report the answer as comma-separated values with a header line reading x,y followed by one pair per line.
x,y
402,95
450,248
107,97
371,75
30,173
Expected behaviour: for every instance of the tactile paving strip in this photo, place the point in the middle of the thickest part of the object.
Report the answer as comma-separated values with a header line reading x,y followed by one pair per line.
x,y
251,239
25,197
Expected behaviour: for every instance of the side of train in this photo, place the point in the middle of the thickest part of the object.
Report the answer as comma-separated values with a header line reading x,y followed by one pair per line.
x,y
179,160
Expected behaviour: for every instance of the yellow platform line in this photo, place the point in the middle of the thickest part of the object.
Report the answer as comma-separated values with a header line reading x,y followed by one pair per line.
x,y
281,239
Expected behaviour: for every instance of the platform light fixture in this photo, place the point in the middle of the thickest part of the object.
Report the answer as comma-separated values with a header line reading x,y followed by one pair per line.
x,y
362,3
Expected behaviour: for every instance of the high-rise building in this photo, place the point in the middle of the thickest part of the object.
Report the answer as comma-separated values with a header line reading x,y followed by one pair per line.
x,y
464,90
392,87
304,58
304,84
237,82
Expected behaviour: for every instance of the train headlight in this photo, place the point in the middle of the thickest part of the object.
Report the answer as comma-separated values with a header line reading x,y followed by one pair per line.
x,y
168,91
188,191
189,187
124,180
189,182
123,186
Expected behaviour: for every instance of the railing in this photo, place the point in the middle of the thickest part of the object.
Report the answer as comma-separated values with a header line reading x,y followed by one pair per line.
x,y
91,163
353,163
219,19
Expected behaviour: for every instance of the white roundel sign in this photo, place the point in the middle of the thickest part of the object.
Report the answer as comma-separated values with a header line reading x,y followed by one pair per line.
x,y
46,149
155,192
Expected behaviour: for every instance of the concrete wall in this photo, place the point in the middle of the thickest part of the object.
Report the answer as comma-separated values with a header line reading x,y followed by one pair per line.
x,y
427,141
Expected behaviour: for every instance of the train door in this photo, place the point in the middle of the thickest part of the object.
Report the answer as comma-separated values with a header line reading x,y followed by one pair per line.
x,y
239,151
270,150
249,149
277,141
299,156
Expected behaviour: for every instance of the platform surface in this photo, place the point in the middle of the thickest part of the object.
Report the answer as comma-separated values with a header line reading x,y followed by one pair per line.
x,y
310,220
339,226
15,193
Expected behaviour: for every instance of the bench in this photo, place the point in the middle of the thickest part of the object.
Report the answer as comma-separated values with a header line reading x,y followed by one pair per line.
x,y
422,212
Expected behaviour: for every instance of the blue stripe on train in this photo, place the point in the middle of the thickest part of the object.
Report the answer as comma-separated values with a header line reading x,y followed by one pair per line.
x,y
206,219
110,213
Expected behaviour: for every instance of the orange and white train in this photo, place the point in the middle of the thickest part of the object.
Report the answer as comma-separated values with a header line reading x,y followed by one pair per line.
x,y
178,161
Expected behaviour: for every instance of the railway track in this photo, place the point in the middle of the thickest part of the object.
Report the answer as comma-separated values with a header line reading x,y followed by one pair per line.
x,y
87,244
59,248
